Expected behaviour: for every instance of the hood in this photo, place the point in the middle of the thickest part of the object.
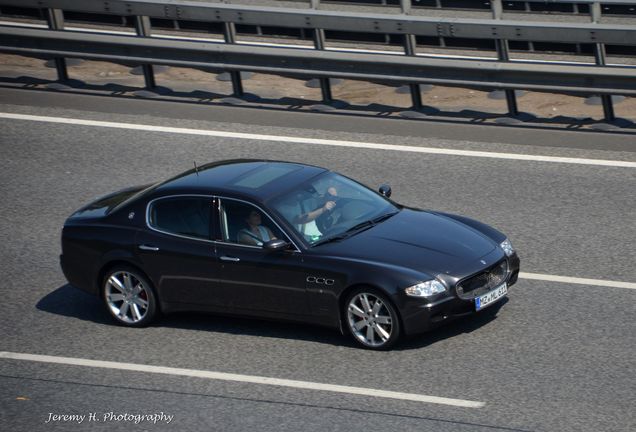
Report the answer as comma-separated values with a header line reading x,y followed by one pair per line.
x,y
420,240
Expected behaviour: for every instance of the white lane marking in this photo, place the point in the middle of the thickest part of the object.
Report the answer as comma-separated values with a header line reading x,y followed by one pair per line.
x,y
251,379
307,47
578,281
316,141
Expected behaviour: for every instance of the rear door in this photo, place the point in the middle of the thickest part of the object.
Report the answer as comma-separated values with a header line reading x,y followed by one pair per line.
x,y
178,253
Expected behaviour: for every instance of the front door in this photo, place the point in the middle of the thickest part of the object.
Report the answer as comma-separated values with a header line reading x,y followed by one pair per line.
x,y
258,282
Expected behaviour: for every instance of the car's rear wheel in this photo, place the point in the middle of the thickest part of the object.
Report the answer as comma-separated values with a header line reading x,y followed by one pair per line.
x,y
129,296
371,319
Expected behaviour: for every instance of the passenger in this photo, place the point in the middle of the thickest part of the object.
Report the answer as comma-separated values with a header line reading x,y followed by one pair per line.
x,y
255,233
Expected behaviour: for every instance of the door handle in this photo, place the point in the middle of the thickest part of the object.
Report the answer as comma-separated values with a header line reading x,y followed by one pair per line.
x,y
229,258
148,248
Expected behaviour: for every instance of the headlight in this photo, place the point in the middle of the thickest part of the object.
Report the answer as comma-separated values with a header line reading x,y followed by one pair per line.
x,y
507,247
425,289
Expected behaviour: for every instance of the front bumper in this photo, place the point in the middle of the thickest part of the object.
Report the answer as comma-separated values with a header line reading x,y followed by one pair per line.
x,y
419,315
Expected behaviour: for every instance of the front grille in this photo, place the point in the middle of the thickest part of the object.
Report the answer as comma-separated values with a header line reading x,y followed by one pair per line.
x,y
484,281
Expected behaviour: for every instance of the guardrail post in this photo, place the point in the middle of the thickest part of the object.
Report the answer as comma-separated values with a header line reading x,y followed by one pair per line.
x,y
406,6
416,91
55,20
325,83
599,56
319,44
142,26
503,53
410,46
229,34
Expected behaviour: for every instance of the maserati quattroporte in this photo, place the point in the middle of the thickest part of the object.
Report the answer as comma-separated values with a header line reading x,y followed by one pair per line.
x,y
288,241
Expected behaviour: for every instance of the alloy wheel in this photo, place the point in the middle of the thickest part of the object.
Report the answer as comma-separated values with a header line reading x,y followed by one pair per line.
x,y
127,297
371,320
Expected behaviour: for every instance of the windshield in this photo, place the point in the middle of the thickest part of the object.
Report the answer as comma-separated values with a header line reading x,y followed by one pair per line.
x,y
330,206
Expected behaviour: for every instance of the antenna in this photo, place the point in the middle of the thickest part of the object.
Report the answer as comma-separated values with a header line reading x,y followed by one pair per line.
x,y
196,169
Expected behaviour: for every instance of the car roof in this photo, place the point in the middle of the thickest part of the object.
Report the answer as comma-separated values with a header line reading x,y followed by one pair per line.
x,y
255,179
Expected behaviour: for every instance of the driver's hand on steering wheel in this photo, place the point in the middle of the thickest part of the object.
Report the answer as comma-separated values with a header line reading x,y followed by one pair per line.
x,y
329,205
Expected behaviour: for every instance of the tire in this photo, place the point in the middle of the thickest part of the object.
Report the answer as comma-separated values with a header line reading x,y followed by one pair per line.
x,y
129,296
371,319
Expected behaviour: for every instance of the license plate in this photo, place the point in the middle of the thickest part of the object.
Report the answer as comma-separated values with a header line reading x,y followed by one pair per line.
x,y
491,297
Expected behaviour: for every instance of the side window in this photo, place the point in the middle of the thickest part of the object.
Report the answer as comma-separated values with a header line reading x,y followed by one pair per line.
x,y
188,216
245,224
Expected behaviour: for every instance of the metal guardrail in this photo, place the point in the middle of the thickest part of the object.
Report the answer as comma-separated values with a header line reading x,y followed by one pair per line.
x,y
524,5
352,21
307,63
325,64
440,3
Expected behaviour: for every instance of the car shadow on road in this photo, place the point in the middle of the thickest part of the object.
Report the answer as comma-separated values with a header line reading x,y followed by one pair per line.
x,y
72,302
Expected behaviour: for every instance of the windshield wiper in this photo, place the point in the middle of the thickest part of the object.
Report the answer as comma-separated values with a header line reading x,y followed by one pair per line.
x,y
383,217
330,239
348,233
356,228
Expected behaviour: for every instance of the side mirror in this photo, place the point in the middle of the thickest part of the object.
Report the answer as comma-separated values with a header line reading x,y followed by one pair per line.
x,y
275,245
385,190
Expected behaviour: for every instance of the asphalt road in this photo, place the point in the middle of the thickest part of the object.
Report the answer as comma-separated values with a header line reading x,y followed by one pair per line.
x,y
557,356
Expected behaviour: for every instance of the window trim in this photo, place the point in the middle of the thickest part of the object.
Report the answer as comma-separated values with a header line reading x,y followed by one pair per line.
x,y
211,221
218,222
215,222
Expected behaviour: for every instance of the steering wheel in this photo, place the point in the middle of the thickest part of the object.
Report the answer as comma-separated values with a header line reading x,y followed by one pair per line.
x,y
326,221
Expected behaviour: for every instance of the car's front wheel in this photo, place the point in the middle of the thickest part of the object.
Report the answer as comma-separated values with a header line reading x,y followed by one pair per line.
x,y
129,296
371,319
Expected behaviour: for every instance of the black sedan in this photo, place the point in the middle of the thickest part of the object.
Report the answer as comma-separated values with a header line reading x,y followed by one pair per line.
x,y
285,241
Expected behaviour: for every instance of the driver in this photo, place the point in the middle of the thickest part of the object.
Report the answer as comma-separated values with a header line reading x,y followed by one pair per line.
x,y
328,204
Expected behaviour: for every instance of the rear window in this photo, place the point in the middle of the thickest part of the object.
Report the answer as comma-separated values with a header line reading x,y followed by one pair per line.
x,y
135,193
187,216
106,204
